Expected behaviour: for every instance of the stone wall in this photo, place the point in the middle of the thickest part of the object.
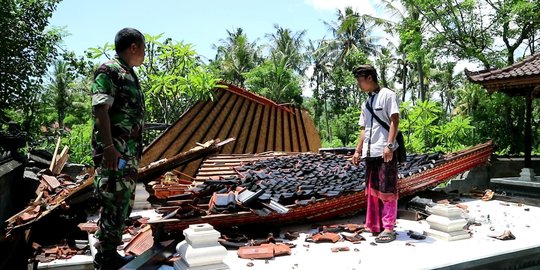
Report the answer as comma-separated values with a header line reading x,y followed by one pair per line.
x,y
479,177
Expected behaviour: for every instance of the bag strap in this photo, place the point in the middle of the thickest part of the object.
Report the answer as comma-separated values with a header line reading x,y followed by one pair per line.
x,y
382,123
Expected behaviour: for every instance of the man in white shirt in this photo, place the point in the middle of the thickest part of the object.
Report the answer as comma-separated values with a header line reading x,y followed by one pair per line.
x,y
377,146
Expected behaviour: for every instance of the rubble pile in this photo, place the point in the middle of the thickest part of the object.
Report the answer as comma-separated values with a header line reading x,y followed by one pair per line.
x,y
304,177
276,183
60,251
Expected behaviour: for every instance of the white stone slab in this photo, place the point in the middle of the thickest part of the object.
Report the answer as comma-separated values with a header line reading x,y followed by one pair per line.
x,y
201,235
446,210
445,224
452,236
201,249
181,265
201,256
77,262
516,182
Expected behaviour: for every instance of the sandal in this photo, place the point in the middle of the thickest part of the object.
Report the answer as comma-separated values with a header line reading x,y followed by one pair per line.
x,y
385,237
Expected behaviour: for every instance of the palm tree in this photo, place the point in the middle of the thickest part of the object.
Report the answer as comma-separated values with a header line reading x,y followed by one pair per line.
x,y
290,45
352,32
235,56
61,79
322,60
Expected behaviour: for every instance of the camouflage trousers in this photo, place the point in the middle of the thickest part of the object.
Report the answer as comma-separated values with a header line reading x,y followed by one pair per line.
x,y
115,191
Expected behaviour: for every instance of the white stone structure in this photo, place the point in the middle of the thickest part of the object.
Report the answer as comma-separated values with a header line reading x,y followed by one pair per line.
x,y
201,250
446,223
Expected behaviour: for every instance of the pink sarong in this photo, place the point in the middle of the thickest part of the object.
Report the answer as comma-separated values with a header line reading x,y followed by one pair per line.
x,y
381,194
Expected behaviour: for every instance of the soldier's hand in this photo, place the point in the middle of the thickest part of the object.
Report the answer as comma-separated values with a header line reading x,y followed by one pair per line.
x,y
110,158
355,158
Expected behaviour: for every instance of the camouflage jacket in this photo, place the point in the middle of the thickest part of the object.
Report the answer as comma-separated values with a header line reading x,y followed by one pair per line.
x,y
117,85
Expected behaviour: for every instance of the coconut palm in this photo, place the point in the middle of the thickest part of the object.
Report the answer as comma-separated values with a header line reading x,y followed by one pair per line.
x,y
236,56
353,32
290,45
60,80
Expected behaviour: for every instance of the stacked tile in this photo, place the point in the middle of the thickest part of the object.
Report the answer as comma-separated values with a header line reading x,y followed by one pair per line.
x,y
303,178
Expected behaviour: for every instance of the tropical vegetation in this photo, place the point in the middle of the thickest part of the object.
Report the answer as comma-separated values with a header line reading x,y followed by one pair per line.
x,y
45,88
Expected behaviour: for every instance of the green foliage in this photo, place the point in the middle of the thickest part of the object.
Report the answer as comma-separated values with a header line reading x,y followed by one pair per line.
x,y
275,81
26,48
426,129
454,135
501,118
78,139
346,127
236,56
172,77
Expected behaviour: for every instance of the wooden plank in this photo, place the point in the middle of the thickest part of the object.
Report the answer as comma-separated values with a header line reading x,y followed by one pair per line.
x,y
208,128
244,130
270,135
278,127
262,132
253,132
53,161
236,125
200,123
206,168
192,167
157,148
287,147
312,133
222,172
301,131
295,144
227,126
61,160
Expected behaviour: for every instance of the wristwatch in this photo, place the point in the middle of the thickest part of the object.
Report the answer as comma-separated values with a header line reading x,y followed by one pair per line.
x,y
391,146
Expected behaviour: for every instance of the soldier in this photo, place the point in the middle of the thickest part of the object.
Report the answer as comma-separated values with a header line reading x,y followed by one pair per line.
x,y
118,112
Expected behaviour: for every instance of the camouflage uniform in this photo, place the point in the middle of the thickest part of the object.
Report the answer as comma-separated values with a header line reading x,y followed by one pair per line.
x,y
116,84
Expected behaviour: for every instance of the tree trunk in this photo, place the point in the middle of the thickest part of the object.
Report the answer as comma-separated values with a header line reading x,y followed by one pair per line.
x,y
420,69
327,125
404,82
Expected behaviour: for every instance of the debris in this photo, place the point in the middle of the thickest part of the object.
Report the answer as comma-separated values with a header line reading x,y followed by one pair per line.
x,y
338,249
142,241
354,238
323,237
415,236
506,235
488,195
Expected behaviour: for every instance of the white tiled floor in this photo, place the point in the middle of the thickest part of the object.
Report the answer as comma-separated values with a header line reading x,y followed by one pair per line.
x,y
422,254
405,253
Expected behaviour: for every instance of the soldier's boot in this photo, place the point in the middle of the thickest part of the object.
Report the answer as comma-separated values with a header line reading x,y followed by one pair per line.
x,y
109,260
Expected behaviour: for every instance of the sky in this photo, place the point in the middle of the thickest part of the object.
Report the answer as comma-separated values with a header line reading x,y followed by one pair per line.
x,y
201,23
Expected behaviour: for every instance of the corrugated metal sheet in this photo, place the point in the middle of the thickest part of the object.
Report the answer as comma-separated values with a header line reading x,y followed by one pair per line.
x,y
257,123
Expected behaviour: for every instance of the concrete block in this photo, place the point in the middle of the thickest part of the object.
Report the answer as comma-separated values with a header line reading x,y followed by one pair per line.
x,y
446,224
527,174
448,236
201,250
449,211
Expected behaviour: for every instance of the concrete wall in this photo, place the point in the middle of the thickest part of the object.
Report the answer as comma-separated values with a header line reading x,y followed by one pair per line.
x,y
11,173
479,177
511,167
